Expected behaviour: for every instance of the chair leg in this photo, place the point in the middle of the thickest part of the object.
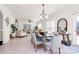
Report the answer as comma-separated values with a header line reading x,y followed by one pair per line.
x,y
45,48
59,50
33,45
51,51
35,48
31,40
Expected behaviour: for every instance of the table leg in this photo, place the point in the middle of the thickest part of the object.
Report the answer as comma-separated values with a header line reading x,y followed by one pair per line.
x,y
59,50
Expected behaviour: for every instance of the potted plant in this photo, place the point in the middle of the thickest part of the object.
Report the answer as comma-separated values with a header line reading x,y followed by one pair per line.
x,y
13,30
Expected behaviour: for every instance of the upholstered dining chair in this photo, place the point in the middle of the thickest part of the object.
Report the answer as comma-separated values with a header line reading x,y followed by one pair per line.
x,y
56,43
36,41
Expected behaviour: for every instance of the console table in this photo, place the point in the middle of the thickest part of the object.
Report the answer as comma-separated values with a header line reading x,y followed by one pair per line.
x,y
64,41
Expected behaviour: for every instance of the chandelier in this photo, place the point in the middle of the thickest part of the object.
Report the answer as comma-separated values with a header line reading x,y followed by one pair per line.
x,y
43,15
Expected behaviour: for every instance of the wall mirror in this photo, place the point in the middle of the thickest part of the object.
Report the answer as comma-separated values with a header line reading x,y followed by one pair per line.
x,y
62,25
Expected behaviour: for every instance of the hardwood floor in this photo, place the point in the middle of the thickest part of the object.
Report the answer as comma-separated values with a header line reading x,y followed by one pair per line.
x,y
20,46
24,46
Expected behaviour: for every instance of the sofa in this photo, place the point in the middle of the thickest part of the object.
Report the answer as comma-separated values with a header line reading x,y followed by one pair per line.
x,y
20,33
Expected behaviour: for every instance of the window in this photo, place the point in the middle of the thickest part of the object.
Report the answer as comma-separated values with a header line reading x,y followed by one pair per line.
x,y
77,25
50,26
77,30
40,26
27,26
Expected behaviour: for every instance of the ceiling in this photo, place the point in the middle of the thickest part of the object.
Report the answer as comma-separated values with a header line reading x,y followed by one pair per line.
x,y
32,11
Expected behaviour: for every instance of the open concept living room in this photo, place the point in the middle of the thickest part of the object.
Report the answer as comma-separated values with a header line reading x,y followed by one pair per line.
x,y
39,28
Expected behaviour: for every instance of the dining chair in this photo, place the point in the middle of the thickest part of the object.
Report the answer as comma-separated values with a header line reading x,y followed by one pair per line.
x,y
36,41
56,43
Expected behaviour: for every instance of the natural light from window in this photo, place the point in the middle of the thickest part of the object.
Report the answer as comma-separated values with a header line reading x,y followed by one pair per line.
x,y
50,26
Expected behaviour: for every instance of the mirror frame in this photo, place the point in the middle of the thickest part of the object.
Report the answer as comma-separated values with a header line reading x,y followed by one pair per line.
x,y
58,24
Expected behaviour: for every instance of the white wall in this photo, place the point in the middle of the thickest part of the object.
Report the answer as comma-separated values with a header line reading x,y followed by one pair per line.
x,y
6,29
69,14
